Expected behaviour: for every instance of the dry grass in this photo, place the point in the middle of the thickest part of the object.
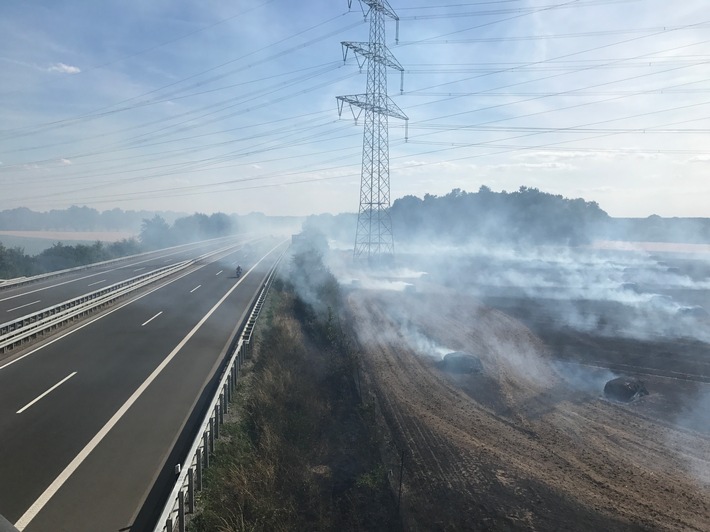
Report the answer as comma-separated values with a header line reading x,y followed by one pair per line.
x,y
299,454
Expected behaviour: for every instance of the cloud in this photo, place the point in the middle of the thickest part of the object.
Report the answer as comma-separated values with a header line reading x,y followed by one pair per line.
x,y
65,162
547,165
64,69
700,159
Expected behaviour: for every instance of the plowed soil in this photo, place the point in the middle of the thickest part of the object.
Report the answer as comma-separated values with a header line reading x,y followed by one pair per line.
x,y
519,446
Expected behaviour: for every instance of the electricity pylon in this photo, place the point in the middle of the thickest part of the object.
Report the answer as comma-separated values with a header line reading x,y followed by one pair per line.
x,y
373,238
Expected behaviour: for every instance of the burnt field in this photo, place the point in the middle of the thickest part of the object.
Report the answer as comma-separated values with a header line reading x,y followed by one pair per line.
x,y
621,314
527,439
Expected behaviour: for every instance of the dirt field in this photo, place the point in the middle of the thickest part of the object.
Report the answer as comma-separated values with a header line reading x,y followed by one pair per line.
x,y
529,443
89,236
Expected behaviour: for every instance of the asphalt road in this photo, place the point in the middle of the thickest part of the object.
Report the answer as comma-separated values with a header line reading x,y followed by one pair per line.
x,y
26,299
88,419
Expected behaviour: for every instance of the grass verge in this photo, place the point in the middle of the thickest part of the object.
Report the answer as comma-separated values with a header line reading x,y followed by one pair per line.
x,y
299,451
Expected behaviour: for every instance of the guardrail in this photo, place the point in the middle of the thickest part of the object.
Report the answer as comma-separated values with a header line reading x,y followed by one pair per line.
x,y
181,501
29,327
21,281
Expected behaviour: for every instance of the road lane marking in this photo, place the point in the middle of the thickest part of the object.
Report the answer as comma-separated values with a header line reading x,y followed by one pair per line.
x,y
100,317
69,470
24,293
97,282
199,285
220,271
65,379
151,319
23,306
139,269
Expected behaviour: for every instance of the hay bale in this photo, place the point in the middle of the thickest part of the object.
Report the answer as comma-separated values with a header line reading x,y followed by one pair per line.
x,y
461,362
625,389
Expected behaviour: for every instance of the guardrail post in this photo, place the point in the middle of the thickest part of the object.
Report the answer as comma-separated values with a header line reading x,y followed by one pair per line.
x,y
204,444
206,449
198,459
181,511
212,427
191,491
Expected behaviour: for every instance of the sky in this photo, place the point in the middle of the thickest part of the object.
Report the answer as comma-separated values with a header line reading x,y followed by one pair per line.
x,y
209,105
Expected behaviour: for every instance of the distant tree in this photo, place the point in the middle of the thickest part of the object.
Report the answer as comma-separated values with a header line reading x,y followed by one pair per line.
x,y
155,233
219,225
14,263
525,216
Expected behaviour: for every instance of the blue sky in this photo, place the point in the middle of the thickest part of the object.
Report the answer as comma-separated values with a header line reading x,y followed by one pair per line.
x,y
230,106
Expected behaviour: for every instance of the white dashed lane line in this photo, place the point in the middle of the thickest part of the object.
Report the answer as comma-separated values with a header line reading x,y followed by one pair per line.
x,y
98,282
65,379
220,271
199,285
151,319
23,306
139,269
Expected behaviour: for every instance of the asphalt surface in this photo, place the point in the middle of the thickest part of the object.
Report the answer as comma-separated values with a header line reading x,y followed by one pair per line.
x,y
29,298
84,382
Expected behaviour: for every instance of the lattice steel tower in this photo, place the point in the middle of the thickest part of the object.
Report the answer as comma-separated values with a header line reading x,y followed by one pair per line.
x,y
373,237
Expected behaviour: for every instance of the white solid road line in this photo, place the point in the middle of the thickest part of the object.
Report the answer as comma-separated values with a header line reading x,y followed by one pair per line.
x,y
151,319
58,482
65,379
220,271
23,306
199,285
101,316
97,282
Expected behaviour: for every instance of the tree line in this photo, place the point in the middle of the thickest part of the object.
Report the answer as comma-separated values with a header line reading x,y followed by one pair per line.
x,y
155,233
77,219
525,216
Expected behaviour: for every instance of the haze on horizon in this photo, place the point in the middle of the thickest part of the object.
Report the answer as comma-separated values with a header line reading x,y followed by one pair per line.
x,y
205,106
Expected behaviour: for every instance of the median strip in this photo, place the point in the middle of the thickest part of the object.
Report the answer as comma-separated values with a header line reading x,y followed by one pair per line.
x,y
65,379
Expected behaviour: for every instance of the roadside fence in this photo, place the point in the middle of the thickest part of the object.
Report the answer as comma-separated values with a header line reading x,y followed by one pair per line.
x,y
181,502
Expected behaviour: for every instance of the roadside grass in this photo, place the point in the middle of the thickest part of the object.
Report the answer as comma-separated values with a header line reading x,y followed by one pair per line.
x,y
299,451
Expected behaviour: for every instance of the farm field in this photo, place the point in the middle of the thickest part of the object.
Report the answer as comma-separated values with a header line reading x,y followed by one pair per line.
x,y
530,442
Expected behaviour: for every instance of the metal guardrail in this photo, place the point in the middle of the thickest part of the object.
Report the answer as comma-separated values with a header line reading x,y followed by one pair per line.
x,y
29,327
21,281
181,501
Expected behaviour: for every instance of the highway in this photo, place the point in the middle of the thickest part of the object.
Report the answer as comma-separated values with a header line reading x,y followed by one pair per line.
x,y
16,302
88,418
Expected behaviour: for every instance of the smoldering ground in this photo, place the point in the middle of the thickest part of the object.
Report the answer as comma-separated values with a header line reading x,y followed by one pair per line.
x,y
618,299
